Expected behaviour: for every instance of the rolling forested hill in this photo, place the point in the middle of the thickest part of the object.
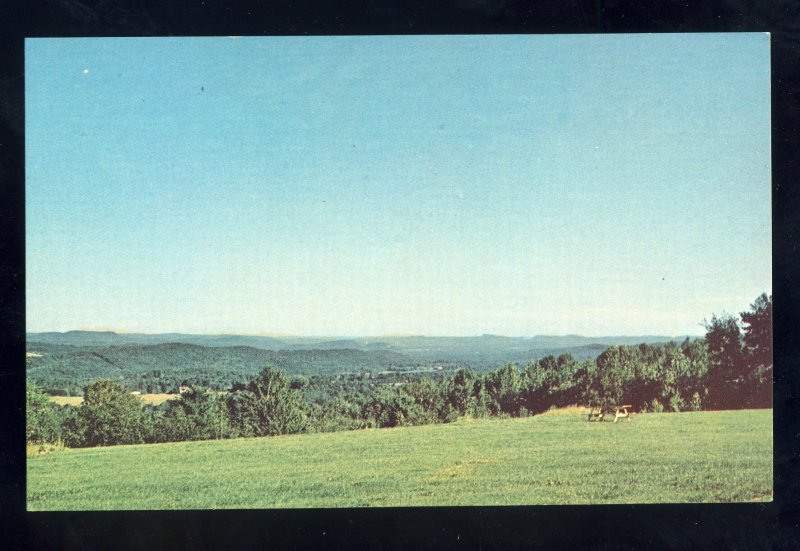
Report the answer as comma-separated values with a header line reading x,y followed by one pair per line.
x,y
163,367
64,363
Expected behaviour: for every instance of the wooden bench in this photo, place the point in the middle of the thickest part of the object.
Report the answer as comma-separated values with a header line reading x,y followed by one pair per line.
x,y
622,413
595,415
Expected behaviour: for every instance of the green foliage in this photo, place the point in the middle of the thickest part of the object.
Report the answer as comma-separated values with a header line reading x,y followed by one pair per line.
x,y
552,382
458,393
42,424
164,367
160,363
267,406
341,413
726,366
693,384
153,429
428,402
504,389
389,408
198,415
696,403
725,369
757,325
614,368
655,406
73,427
109,415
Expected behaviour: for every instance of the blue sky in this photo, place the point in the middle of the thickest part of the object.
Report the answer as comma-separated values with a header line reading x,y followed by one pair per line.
x,y
454,185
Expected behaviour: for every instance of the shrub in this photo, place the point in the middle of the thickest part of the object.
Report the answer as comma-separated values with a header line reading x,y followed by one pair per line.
x,y
676,403
696,404
655,406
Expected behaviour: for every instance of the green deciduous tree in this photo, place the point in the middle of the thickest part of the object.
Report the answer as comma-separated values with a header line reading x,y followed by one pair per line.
x,y
675,372
338,413
198,415
267,406
73,427
110,415
694,385
41,419
616,368
429,403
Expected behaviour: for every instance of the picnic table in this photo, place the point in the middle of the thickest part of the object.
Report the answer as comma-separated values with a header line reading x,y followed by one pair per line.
x,y
595,414
620,412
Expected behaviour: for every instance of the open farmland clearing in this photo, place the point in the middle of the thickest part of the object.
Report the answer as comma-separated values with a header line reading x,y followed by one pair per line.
x,y
154,399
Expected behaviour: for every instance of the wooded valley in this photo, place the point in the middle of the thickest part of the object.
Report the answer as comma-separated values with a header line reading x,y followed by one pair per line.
x,y
245,391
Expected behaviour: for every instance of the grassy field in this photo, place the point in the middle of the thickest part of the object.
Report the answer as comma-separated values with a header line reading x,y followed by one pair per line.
x,y
555,459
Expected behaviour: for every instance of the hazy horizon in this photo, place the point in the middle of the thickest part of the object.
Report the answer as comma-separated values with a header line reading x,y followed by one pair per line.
x,y
353,336
397,185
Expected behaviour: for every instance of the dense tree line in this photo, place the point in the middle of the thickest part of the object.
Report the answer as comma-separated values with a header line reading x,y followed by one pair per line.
x,y
730,368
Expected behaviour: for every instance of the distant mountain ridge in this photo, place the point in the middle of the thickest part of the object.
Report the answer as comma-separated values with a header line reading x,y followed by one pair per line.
x,y
111,338
68,361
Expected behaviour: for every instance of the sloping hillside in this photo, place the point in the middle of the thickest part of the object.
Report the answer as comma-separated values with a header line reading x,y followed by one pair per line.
x,y
666,458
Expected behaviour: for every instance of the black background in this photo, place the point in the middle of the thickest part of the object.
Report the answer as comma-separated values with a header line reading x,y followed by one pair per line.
x,y
609,527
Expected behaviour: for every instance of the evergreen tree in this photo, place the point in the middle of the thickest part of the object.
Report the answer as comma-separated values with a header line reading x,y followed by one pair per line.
x,y
757,325
726,368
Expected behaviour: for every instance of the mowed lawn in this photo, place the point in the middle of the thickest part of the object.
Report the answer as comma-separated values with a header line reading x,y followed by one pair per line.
x,y
548,459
